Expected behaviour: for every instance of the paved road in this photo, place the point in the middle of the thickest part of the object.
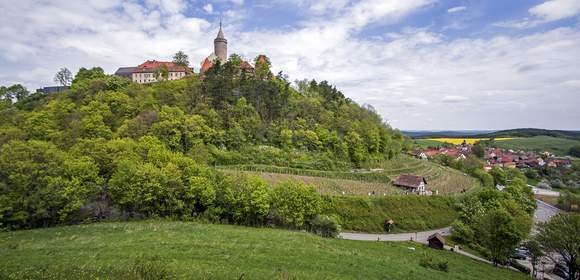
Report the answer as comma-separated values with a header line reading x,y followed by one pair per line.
x,y
544,212
416,236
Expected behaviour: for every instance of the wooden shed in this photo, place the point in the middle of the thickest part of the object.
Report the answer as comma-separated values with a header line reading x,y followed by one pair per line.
x,y
436,241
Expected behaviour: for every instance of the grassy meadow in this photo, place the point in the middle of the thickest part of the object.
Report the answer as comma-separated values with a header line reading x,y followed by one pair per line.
x,y
558,146
156,249
410,212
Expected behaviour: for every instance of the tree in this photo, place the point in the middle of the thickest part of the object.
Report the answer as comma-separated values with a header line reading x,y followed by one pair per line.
x,y
181,59
41,185
293,203
574,151
534,251
497,232
479,150
17,91
161,73
63,77
560,237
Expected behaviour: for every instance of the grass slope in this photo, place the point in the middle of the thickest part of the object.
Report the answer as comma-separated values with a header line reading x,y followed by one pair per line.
x,y
178,250
558,146
410,212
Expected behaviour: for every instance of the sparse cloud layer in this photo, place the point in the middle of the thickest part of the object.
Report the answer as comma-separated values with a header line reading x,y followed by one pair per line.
x,y
379,52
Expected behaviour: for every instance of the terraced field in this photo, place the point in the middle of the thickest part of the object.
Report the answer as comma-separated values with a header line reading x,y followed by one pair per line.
x,y
443,179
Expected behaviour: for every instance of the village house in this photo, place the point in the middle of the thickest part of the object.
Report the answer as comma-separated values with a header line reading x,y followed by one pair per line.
x,y
150,71
411,183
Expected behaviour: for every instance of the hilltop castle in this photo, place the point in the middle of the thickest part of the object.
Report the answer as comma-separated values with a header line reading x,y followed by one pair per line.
x,y
220,53
147,72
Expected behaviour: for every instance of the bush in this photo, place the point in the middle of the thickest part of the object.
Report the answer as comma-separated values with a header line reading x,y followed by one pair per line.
x,y
293,203
324,226
427,261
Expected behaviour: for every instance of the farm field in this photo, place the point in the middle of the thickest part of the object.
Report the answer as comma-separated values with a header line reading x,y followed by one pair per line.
x,y
443,179
471,141
427,143
157,249
558,146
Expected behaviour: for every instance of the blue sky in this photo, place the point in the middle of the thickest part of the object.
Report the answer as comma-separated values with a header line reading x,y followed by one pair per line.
x,y
422,64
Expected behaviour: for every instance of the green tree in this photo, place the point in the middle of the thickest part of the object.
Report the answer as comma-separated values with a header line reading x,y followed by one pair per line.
x,y
247,198
498,234
559,237
181,59
535,253
574,151
41,185
294,203
356,148
479,150
161,73
63,77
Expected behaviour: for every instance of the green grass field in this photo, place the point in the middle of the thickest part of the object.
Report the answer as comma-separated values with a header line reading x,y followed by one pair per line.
x,y
410,212
443,179
428,143
558,146
178,250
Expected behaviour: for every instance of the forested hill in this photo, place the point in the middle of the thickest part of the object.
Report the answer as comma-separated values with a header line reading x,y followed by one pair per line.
x,y
110,148
518,132
227,117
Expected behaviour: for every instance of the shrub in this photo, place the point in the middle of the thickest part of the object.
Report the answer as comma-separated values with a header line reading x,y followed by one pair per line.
x,y
324,226
427,261
293,203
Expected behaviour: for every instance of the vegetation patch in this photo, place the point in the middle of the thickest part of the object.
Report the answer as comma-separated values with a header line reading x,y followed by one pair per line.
x,y
555,145
410,212
159,249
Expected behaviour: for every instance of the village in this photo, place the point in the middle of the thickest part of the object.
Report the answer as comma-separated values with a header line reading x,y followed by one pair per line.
x,y
496,157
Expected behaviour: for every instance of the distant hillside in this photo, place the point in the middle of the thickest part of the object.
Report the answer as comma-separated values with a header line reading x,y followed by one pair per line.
x,y
531,132
518,132
443,133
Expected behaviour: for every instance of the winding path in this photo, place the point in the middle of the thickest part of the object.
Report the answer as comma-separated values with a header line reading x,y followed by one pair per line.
x,y
543,213
415,236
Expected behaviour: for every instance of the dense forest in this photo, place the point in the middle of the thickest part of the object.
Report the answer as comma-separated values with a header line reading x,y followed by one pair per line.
x,y
108,144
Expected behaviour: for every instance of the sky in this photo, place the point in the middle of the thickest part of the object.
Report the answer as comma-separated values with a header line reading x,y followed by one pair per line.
x,y
422,64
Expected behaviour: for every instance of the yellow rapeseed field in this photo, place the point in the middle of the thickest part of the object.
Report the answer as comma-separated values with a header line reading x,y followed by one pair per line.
x,y
457,141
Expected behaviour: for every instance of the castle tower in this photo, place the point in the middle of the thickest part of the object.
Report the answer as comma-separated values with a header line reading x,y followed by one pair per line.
x,y
220,46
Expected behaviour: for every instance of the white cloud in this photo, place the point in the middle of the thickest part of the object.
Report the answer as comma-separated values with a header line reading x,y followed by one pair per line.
x,y
208,8
548,11
456,9
454,98
556,9
415,76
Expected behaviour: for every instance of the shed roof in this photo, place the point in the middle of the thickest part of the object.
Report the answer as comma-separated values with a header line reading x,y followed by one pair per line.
x,y
436,236
409,180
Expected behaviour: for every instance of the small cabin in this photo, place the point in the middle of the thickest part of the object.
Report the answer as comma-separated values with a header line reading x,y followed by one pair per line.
x,y
412,183
436,241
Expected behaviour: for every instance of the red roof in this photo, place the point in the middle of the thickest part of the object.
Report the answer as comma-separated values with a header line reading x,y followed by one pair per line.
x,y
246,66
206,64
152,65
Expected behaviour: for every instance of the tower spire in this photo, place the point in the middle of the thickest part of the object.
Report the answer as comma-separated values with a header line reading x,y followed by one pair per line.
x,y
221,44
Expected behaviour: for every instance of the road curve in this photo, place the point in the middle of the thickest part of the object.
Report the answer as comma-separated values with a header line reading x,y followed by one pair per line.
x,y
543,213
415,236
